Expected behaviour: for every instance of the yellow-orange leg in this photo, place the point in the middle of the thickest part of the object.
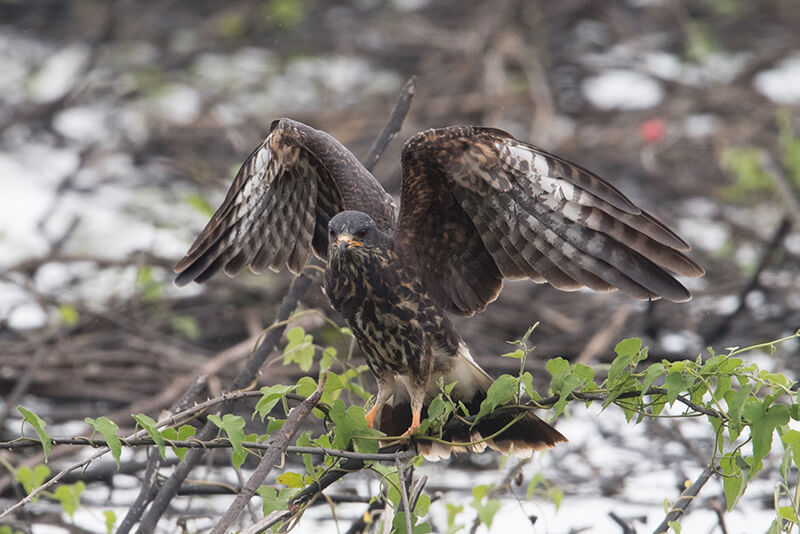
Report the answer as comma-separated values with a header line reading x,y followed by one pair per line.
x,y
371,414
415,420
385,390
417,396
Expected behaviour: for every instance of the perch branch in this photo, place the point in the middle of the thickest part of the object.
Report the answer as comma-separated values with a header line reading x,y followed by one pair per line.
x,y
277,447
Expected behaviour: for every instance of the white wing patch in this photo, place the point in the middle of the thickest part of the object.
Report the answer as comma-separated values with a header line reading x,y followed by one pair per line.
x,y
540,174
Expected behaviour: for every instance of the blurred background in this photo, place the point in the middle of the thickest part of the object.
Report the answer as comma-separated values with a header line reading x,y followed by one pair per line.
x,y
123,122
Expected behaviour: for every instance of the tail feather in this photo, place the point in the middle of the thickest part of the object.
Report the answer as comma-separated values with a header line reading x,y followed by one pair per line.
x,y
528,434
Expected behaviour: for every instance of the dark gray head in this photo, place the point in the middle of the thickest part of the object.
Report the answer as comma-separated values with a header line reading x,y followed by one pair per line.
x,y
349,229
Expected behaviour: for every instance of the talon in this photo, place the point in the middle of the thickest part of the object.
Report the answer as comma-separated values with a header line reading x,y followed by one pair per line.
x,y
415,422
410,432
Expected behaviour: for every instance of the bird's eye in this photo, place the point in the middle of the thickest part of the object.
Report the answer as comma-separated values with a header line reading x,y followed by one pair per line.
x,y
332,233
360,234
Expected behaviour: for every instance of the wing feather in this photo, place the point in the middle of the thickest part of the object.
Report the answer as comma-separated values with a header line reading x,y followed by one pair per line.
x,y
277,209
538,216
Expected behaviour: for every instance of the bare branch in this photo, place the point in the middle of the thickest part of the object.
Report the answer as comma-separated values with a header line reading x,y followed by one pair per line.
x,y
401,477
686,498
277,447
154,462
393,125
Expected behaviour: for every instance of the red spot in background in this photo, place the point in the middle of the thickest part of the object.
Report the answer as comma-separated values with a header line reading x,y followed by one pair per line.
x,y
652,130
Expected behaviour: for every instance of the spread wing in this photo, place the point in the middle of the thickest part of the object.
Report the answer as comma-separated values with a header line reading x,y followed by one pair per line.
x,y
477,206
278,207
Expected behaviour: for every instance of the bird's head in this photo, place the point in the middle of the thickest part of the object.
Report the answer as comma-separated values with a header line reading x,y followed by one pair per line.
x,y
352,231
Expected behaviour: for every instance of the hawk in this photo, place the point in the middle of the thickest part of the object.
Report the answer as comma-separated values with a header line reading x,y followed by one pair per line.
x,y
476,206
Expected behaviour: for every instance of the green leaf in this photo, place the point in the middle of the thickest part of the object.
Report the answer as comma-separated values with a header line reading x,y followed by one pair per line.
x,y
38,425
674,525
559,368
272,499
306,386
270,396
501,392
745,164
453,511
774,528
274,425
108,429
151,289
735,401
723,386
181,434
557,496
304,440
736,475
70,496
762,425
422,506
349,422
527,384
791,439
787,513
286,13
629,353
517,354
233,426
300,349
149,424
333,385
654,371
399,524
328,357
186,325
676,384
200,204
486,512
111,520
576,376
628,347
69,315
291,479
32,479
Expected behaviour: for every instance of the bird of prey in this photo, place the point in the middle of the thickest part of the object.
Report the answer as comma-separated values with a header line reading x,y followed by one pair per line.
x,y
476,206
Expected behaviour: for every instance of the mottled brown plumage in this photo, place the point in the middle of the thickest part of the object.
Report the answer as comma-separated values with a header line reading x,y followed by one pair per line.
x,y
477,206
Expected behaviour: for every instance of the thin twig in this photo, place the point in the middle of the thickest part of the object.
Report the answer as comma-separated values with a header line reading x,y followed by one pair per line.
x,y
767,252
393,125
350,465
404,494
278,442
22,385
170,487
626,527
154,463
267,521
219,443
686,498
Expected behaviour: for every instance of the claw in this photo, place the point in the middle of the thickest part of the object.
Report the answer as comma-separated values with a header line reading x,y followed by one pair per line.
x,y
415,422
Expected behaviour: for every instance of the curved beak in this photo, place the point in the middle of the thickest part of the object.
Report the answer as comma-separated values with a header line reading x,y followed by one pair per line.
x,y
345,241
